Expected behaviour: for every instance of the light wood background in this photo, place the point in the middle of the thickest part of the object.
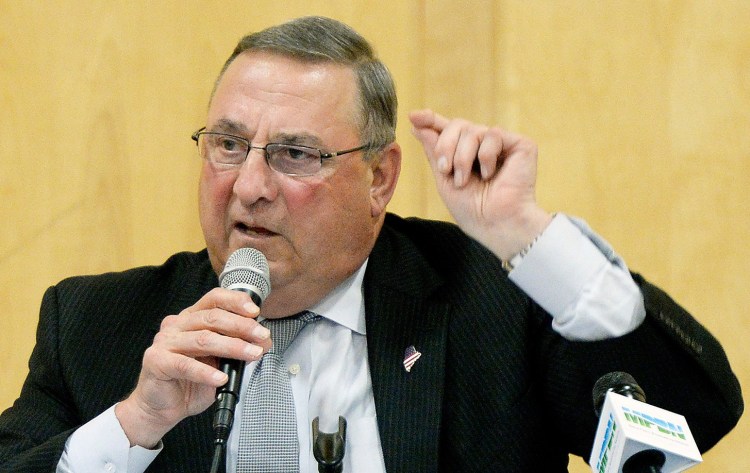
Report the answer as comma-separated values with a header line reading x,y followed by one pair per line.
x,y
641,110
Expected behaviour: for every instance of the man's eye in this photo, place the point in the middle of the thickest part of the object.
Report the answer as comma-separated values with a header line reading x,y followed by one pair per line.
x,y
228,144
298,154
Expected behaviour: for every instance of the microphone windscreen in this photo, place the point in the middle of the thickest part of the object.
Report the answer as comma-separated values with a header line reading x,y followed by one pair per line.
x,y
247,268
619,382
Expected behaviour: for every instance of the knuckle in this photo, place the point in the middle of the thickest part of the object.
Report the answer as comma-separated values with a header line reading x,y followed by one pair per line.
x,y
529,147
159,338
211,317
152,357
203,338
148,354
214,293
461,122
495,131
210,300
478,132
167,322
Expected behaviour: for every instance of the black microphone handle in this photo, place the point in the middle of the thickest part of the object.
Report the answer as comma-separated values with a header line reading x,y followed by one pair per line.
x,y
228,395
246,270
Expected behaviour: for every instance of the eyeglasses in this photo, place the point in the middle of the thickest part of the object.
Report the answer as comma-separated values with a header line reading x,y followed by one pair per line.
x,y
293,160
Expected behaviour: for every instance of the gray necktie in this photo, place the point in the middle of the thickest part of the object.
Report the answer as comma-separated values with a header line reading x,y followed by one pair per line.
x,y
268,429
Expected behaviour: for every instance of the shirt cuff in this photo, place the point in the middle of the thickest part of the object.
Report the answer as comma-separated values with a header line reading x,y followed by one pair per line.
x,y
576,277
101,445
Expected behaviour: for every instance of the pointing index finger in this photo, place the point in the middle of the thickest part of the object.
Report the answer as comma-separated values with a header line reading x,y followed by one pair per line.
x,y
428,119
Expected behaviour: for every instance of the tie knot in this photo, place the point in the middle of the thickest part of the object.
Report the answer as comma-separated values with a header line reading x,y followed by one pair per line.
x,y
283,331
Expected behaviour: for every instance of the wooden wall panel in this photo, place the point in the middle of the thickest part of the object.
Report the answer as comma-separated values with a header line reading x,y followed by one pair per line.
x,y
641,111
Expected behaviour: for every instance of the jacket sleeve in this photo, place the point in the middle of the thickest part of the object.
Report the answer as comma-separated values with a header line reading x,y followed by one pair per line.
x,y
679,364
34,430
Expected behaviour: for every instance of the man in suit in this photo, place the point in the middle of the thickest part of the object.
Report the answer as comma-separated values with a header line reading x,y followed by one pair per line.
x,y
515,312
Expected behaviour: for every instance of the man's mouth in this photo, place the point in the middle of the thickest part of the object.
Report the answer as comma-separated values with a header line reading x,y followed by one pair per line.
x,y
253,230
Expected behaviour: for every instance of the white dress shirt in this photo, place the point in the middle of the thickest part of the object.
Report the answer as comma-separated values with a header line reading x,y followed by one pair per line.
x,y
569,271
330,376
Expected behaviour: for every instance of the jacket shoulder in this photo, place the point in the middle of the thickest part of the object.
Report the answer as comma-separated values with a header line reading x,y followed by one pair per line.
x,y
432,257
443,245
117,302
178,269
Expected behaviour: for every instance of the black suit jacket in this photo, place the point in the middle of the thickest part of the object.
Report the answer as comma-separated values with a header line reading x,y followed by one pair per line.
x,y
496,389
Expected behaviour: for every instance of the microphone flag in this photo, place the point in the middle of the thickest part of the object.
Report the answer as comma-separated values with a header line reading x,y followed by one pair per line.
x,y
628,426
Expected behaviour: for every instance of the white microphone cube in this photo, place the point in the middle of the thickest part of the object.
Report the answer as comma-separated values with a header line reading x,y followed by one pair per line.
x,y
628,426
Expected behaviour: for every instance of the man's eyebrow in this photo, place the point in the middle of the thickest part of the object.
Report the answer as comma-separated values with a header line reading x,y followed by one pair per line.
x,y
301,139
225,125
231,127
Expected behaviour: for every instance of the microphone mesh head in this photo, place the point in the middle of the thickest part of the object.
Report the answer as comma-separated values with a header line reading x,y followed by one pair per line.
x,y
619,382
247,267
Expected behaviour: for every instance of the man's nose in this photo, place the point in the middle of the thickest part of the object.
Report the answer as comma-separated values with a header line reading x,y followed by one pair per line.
x,y
256,180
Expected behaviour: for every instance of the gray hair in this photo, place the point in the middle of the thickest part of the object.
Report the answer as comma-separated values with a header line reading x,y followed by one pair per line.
x,y
318,39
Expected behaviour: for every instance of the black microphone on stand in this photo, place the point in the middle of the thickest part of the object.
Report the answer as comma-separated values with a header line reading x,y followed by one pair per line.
x,y
619,382
329,448
246,270
635,437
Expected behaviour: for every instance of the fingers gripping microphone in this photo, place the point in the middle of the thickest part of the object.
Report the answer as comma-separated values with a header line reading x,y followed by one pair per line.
x,y
246,270
635,437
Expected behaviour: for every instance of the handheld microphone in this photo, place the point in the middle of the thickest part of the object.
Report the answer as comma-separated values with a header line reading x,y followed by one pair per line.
x,y
635,437
247,271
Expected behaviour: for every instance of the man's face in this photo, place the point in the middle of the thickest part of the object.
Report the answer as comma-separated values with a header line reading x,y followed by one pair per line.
x,y
315,230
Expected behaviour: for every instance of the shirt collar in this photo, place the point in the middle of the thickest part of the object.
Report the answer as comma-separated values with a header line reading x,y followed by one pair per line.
x,y
345,304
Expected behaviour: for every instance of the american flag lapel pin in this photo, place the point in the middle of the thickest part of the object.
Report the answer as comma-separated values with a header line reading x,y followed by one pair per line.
x,y
411,355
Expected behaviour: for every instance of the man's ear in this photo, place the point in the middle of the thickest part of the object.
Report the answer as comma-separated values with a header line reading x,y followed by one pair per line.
x,y
385,172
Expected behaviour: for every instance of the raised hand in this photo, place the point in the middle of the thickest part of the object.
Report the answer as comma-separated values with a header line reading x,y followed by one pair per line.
x,y
487,177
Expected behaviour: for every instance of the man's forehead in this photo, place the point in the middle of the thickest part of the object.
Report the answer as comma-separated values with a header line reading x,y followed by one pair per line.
x,y
255,73
258,82
265,62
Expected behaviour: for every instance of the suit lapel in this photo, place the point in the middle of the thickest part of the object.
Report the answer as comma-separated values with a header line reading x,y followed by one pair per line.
x,y
401,311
